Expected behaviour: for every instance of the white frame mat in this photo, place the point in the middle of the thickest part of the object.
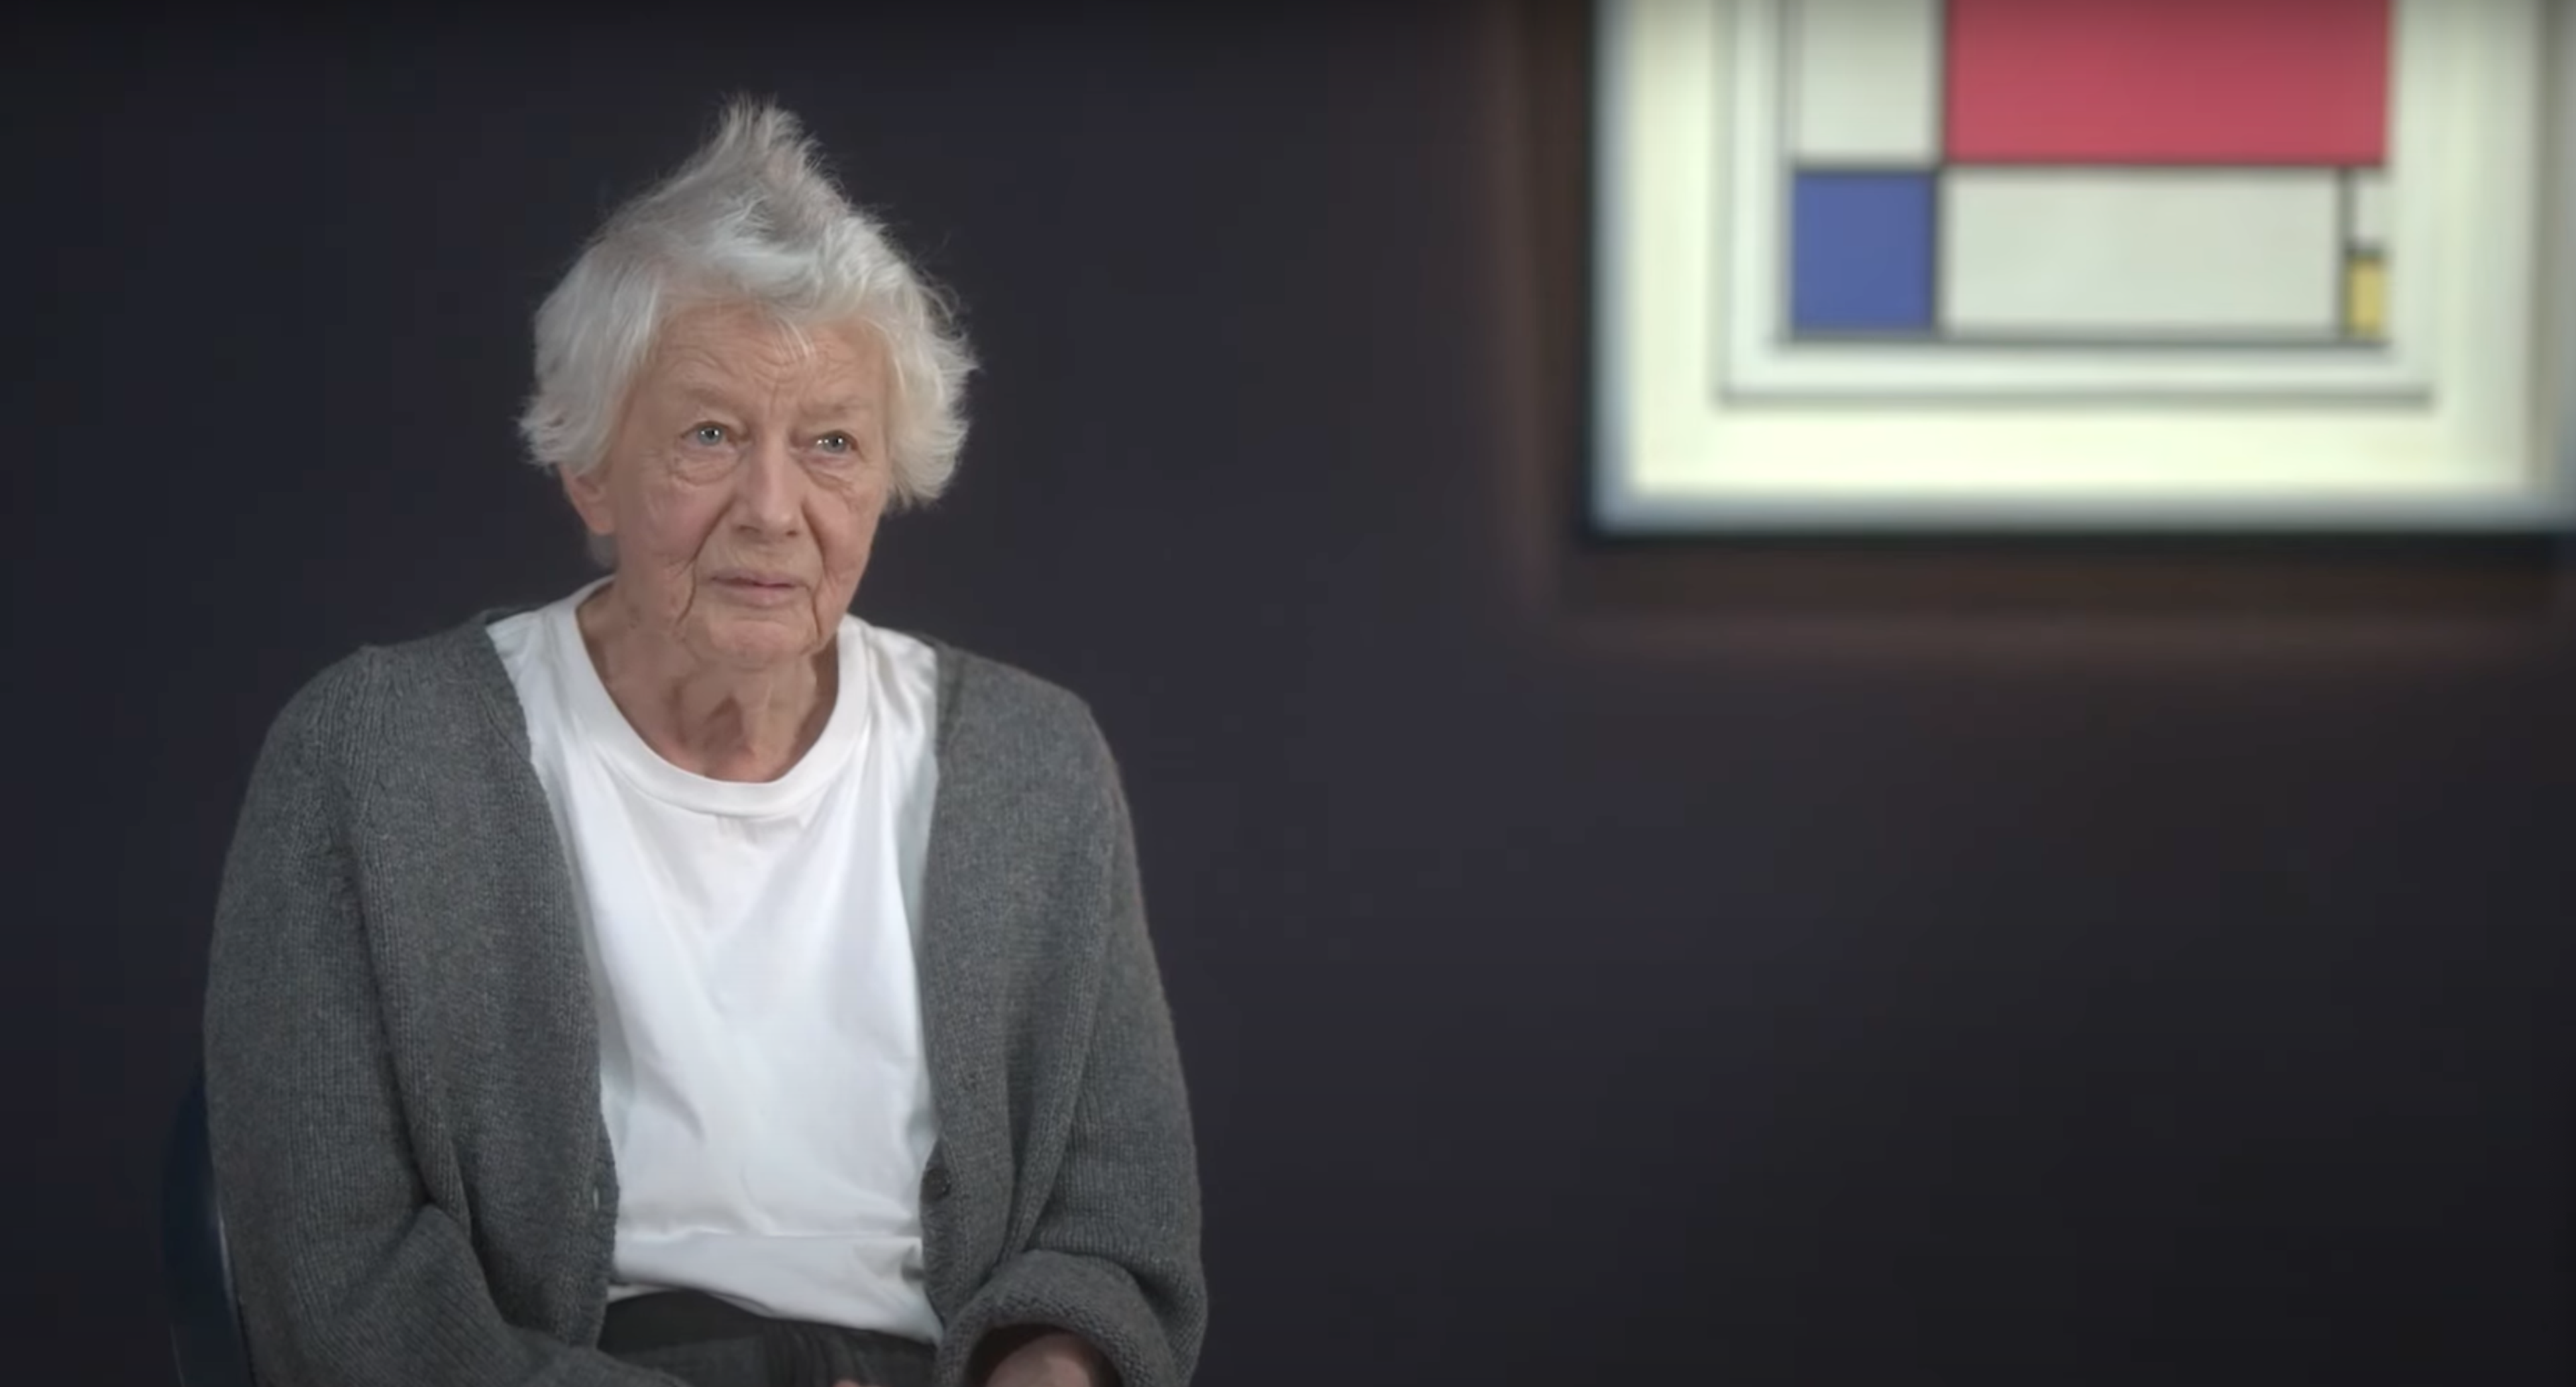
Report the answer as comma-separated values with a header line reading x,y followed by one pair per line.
x,y
1707,420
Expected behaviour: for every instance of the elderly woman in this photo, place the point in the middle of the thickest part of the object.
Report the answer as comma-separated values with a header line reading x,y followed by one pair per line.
x,y
688,981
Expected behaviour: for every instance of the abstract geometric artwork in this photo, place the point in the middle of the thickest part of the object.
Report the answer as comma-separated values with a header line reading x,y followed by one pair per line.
x,y
2165,172
2085,262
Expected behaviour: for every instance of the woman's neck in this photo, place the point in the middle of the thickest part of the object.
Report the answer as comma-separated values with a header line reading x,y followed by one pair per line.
x,y
709,719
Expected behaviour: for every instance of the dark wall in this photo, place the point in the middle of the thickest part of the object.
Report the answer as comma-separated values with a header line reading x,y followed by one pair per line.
x,y
1570,994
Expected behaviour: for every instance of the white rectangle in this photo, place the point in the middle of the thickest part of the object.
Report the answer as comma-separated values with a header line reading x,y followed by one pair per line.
x,y
2126,253
2369,209
1864,81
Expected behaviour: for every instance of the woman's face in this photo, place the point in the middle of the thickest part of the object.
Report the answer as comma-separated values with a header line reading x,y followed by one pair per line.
x,y
743,484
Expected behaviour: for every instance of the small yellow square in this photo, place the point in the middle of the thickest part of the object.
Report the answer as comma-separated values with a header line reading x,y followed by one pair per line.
x,y
2365,297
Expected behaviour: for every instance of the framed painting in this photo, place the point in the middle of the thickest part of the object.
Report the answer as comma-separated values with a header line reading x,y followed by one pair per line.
x,y
2083,266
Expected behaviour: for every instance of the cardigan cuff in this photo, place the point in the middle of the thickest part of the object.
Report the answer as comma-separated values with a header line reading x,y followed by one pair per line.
x,y
1038,1291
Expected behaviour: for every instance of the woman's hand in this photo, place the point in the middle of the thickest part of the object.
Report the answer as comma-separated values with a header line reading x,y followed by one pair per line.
x,y
1052,1359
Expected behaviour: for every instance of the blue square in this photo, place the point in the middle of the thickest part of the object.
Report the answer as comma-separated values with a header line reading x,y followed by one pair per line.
x,y
1861,253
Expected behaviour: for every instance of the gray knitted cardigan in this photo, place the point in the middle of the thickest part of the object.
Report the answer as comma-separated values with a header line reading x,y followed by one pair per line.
x,y
403,1073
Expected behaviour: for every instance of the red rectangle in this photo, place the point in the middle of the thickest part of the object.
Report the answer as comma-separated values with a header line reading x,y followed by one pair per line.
x,y
2167,81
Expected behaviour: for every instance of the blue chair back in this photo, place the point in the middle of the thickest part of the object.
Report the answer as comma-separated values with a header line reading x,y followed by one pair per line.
x,y
196,1270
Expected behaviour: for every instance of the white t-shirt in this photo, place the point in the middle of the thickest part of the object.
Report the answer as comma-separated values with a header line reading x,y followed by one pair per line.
x,y
751,951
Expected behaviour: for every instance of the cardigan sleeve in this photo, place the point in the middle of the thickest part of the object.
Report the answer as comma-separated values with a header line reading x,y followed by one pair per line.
x,y
347,1275
1114,1256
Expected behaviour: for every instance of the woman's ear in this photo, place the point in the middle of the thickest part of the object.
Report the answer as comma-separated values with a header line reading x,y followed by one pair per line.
x,y
588,492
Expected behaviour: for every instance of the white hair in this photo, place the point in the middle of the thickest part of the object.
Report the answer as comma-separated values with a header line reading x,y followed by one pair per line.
x,y
751,218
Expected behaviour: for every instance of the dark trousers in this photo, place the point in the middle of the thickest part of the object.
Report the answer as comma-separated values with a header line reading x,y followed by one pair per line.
x,y
707,1342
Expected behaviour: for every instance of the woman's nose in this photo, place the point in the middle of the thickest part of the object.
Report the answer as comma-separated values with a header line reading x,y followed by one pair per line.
x,y
768,487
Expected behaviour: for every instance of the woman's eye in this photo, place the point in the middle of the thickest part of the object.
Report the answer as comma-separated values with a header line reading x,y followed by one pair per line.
x,y
836,443
707,435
